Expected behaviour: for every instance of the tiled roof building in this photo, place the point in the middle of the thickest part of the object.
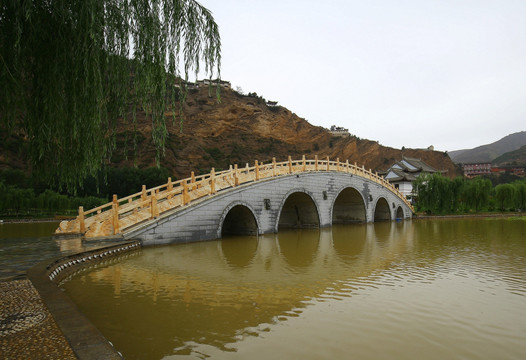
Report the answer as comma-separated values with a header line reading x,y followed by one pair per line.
x,y
402,174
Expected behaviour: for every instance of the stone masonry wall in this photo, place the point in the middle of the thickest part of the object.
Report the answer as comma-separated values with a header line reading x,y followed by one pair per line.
x,y
203,219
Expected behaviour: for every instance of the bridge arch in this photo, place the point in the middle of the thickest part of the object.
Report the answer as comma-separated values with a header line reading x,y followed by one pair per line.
x,y
298,210
381,210
399,213
238,219
349,207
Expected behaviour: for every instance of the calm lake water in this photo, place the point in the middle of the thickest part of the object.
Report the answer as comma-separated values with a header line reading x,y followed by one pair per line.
x,y
433,289
23,245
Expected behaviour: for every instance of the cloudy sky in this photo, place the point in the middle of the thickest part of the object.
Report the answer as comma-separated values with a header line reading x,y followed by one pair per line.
x,y
413,73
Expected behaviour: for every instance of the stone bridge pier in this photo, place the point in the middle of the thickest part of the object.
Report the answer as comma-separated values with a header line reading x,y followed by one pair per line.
x,y
304,200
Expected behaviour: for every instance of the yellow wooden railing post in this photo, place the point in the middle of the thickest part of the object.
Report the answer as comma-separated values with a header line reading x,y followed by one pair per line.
x,y
236,179
304,164
81,220
135,210
169,187
290,165
185,193
256,167
273,166
347,165
316,162
328,166
153,205
115,208
192,176
144,196
212,181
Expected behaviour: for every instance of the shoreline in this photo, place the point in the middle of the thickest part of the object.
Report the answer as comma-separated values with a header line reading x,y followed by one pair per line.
x,y
28,220
460,216
415,217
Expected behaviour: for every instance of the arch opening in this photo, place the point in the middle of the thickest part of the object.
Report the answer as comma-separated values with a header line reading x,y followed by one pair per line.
x,y
299,211
239,221
382,212
349,207
399,213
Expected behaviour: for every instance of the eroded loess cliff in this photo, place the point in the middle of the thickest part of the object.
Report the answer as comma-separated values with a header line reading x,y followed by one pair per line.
x,y
241,129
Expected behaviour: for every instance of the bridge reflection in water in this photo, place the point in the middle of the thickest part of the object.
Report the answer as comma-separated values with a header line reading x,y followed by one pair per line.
x,y
209,298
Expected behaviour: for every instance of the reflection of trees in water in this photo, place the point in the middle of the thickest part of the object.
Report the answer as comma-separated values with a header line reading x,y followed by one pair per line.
x,y
443,238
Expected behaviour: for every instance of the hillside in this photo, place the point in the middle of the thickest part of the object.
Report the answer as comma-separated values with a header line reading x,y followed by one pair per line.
x,y
512,158
489,152
241,129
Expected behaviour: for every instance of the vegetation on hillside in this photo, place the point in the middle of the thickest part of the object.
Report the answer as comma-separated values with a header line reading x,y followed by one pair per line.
x,y
512,158
436,194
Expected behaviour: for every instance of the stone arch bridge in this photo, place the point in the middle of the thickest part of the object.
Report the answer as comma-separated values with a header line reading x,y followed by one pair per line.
x,y
253,200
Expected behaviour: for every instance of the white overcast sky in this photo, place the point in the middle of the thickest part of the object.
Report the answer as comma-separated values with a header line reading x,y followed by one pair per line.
x,y
413,73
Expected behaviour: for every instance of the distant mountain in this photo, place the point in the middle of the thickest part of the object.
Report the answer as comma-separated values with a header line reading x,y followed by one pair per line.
x,y
487,153
512,158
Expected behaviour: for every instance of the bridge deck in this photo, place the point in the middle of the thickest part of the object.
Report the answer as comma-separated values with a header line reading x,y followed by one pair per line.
x,y
121,215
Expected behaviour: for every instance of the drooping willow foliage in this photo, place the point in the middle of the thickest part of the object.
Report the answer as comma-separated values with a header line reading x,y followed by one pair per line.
x,y
70,68
441,195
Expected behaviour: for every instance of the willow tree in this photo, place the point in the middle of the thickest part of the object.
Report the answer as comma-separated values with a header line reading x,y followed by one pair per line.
x,y
70,68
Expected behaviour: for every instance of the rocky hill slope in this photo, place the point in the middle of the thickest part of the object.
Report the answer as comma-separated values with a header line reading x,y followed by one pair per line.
x,y
512,158
241,129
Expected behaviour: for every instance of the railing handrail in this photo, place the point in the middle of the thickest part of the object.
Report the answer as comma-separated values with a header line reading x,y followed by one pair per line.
x,y
150,197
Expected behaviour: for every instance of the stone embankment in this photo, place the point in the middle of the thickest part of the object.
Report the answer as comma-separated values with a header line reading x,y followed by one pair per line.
x,y
38,321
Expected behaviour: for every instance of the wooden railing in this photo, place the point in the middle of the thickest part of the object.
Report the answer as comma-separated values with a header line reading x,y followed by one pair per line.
x,y
122,214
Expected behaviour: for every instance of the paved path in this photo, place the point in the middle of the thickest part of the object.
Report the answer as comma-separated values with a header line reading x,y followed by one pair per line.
x,y
27,329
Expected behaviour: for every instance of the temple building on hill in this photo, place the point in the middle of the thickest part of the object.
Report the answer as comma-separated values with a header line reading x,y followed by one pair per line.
x,y
339,131
403,173
207,82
